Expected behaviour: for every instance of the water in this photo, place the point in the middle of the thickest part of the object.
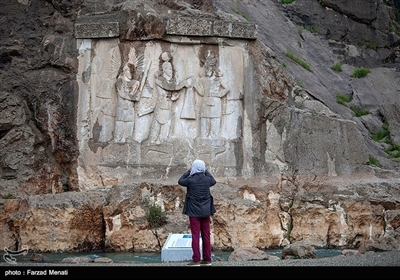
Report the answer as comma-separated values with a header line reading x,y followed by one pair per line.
x,y
152,257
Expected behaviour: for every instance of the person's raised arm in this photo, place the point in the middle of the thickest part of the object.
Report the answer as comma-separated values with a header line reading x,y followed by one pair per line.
x,y
182,180
213,181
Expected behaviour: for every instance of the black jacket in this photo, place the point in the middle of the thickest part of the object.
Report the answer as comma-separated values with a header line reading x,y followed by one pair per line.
x,y
199,202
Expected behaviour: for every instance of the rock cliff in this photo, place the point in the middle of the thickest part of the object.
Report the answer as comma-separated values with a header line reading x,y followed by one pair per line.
x,y
103,106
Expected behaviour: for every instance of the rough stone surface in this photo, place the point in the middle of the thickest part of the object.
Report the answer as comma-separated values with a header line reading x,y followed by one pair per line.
x,y
247,254
300,249
326,212
294,165
97,30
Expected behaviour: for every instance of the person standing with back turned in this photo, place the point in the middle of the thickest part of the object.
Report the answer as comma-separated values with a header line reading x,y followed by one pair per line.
x,y
199,206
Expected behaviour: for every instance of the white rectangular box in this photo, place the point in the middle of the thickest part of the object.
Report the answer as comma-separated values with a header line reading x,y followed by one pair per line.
x,y
178,247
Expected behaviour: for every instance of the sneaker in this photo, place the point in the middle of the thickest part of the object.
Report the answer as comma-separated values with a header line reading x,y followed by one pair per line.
x,y
205,263
192,263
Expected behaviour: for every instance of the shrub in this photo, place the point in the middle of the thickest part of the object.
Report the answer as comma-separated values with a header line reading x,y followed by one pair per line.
x,y
155,216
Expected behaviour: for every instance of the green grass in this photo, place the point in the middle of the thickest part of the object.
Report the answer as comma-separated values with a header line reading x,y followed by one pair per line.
x,y
337,67
393,151
298,61
397,15
235,10
359,112
372,46
383,135
374,161
360,72
287,1
311,29
343,99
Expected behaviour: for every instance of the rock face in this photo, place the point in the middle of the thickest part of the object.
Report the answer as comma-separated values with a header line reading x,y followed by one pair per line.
x,y
70,221
96,130
250,213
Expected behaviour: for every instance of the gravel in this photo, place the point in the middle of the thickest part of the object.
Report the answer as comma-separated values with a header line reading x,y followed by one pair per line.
x,y
387,258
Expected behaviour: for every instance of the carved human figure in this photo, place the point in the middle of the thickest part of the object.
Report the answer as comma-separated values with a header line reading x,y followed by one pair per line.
x,y
189,104
212,88
102,89
167,92
127,89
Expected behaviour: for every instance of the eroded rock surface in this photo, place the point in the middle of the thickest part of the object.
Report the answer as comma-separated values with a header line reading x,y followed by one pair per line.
x,y
94,129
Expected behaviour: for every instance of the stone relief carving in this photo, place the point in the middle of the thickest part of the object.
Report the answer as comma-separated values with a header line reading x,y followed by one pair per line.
x,y
128,94
157,104
102,88
161,93
148,95
212,88
168,91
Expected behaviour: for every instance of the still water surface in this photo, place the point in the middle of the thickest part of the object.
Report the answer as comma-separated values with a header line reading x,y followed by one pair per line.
x,y
153,257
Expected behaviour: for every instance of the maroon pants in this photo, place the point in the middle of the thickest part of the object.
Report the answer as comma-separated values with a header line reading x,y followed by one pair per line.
x,y
200,226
